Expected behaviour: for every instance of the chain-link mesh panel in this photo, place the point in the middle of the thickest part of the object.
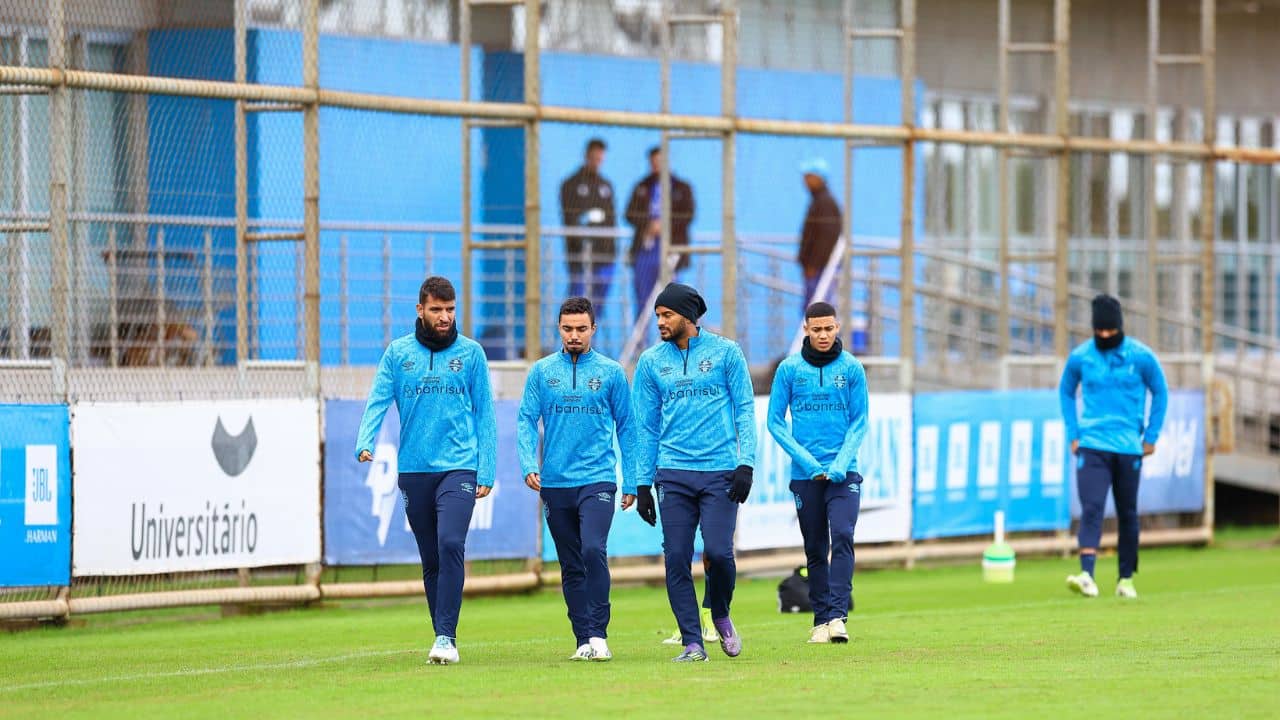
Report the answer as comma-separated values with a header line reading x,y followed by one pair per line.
x,y
92,586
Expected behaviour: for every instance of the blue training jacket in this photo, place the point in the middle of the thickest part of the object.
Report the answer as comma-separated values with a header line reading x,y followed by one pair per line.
x,y
447,419
583,406
1115,383
694,408
828,415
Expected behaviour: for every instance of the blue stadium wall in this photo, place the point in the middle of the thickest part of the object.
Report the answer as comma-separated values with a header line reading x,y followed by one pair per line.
x,y
388,168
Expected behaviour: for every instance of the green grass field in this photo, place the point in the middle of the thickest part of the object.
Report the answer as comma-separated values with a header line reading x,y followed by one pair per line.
x,y
1202,641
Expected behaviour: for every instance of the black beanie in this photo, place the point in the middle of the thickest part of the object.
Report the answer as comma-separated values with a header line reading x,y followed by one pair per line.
x,y
1106,313
683,300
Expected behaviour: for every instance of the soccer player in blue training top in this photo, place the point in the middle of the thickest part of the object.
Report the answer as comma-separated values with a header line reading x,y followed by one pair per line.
x,y
825,388
1110,439
439,382
583,401
696,433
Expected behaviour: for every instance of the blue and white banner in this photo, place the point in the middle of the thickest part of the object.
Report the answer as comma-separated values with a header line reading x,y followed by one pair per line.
x,y
768,518
35,495
364,519
185,486
979,452
1173,477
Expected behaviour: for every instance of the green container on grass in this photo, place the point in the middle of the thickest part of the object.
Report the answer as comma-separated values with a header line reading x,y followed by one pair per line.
x,y
998,561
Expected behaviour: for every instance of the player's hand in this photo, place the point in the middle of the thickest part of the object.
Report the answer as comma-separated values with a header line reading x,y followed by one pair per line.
x,y
365,456
741,486
821,477
483,491
1075,447
533,481
1147,449
628,501
644,505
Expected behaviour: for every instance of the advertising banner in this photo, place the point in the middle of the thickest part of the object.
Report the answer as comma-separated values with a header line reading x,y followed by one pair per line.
x,y
170,487
979,452
768,518
35,496
1173,477
364,518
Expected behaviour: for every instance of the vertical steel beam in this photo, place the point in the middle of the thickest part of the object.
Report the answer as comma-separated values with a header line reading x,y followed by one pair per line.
x,y
19,260
468,296
665,272
907,68
60,299
1062,218
728,108
1002,189
532,192
844,296
1208,268
78,240
1152,279
311,185
242,188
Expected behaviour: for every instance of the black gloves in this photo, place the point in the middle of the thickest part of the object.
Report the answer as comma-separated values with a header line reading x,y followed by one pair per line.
x,y
741,486
644,505
853,477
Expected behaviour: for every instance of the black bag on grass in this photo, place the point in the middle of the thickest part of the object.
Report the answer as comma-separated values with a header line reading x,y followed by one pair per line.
x,y
793,592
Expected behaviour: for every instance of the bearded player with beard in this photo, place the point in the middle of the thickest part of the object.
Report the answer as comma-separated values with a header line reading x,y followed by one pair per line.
x,y
439,381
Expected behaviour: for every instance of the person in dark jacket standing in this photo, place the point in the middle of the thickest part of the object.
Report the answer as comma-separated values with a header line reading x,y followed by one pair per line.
x,y
644,213
586,200
821,230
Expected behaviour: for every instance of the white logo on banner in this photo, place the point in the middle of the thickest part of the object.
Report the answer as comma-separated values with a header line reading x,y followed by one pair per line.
x,y
988,459
1020,457
768,519
384,491
482,516
41,506
927,458
1175,453
1052,448
165,487
957,458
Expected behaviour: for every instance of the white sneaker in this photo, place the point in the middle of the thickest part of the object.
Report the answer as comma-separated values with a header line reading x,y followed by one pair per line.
x,y
444,652
821,634
1082,584
600,650
1125,589
839,633
709,634
676,639
584,653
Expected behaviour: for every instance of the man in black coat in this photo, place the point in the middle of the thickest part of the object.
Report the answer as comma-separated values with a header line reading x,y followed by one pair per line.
x,y
586,200
821,229
644,213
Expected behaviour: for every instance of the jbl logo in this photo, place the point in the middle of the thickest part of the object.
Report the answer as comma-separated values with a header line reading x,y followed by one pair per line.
x,y
41,506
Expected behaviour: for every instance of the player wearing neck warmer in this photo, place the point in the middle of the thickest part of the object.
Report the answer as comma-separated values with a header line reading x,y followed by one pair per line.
x,y
825,391
439,382
1110,435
